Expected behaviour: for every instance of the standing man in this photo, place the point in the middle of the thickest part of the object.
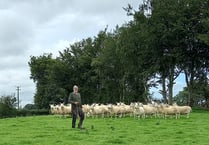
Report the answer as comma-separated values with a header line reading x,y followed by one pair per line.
x,y
76,107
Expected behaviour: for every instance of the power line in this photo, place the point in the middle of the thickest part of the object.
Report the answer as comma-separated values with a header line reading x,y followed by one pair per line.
x,y
18,97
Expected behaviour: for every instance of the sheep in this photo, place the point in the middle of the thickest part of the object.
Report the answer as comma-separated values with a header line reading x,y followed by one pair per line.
x,y
183,110
65,110
128,110
138,111
52,109
150,110
168,110
115,110
86,109
97,110
124,109
57,109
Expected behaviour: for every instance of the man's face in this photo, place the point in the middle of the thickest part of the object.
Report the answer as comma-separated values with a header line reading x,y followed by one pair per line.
x,y
75,89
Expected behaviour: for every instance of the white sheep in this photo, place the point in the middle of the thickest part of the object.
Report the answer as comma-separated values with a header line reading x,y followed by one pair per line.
x,y
168,110
65,110
139,111
183,110
86,109
150,110
52,109
98,110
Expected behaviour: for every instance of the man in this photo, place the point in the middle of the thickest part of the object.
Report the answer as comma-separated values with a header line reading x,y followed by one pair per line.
x,y
76,107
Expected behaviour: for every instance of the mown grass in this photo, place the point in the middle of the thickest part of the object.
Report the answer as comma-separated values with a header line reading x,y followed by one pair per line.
x,y
51,130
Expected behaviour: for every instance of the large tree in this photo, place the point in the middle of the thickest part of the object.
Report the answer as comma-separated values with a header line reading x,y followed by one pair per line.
x,y
164,39
175,27
47,90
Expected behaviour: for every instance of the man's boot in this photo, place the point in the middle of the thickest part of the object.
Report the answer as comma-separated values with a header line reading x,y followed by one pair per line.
x,y
79,125
73,125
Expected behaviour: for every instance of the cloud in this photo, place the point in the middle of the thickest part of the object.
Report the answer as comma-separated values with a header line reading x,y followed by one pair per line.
x,y
15,34
39,11
12,63
34,27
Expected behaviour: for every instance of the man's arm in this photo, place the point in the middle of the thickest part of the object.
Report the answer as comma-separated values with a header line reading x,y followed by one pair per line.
x,y
70,99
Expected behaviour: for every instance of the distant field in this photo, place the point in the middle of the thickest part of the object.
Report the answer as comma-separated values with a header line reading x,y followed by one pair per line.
x,y
51,130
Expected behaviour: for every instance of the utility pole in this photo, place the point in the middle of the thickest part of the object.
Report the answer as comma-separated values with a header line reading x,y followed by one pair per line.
x,y
18,97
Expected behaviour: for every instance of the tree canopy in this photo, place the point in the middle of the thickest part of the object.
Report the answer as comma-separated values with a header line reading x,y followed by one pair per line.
x,y
164,39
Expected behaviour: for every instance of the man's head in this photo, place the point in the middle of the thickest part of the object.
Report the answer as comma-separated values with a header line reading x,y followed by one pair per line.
x,y
75,89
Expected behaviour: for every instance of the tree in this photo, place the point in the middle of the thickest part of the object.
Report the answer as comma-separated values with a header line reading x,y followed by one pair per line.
x,y
200,94
194,47
41,73
175,29
29,107
77,62
165,38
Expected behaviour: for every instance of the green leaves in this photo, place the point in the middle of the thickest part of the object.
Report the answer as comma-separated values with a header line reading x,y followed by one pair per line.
x,y
7,106
121,65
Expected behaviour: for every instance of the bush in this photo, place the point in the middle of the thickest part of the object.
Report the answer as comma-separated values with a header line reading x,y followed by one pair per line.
x,y
26,112
7,106
6,111
30,107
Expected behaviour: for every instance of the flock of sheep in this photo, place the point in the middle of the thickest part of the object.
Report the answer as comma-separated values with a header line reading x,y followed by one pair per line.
x,y
136,109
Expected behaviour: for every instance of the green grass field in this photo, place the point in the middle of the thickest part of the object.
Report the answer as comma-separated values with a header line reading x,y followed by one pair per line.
x,y
51,130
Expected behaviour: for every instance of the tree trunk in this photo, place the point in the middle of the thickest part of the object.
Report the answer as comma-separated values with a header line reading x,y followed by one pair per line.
x,y
164,92
170,85
189,76
170,93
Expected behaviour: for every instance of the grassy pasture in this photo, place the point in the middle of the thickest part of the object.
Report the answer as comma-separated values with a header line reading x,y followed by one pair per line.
x,y
51,130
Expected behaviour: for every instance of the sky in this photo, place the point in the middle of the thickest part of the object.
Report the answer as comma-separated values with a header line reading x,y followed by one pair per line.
x,y
34,27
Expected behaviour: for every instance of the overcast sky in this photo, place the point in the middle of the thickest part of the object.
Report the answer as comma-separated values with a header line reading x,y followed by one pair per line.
x,y
34,27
